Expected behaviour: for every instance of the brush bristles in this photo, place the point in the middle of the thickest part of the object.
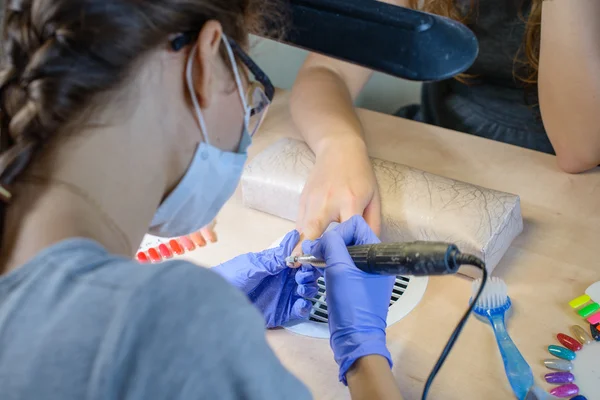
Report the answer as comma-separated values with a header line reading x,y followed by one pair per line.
x,y
494,294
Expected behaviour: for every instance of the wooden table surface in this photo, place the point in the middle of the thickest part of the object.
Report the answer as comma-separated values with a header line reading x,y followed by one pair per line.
x,y
552,261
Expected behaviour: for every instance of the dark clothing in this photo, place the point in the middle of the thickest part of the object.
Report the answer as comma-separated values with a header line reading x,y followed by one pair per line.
x,y
495,104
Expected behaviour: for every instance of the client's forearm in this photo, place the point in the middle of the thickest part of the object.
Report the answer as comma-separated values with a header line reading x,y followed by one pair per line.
x,y
322,101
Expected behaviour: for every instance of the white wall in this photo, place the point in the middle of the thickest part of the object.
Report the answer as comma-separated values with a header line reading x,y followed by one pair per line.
x,y
383,93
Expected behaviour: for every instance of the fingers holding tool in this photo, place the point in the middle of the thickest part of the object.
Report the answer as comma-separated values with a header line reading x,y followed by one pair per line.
x,y
306,278
357,321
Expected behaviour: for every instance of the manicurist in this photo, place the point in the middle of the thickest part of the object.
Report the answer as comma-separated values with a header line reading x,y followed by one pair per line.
x,y
120,117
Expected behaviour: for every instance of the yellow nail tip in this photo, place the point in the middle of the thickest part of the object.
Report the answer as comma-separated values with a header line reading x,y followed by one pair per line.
x,y
579,301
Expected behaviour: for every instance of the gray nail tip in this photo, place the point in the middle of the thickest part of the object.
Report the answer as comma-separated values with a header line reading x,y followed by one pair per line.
x,y
558,365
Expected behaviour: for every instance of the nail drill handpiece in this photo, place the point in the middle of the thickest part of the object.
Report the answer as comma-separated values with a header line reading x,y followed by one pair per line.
x,y
415,258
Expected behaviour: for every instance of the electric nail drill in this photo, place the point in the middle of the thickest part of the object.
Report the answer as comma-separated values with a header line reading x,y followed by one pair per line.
x,y
419,258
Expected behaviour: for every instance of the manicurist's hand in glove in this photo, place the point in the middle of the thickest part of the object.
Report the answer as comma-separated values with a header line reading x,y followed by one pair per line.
x,y
357,303
278,291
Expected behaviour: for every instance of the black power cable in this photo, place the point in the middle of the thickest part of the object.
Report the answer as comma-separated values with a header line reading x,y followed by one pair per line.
x,y
463,259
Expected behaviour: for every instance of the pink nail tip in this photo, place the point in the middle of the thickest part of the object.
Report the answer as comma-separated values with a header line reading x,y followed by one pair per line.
x,y
594,319
565,390
187,243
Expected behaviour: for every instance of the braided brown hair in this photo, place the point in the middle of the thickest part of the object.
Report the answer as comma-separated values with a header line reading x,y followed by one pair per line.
x,y
59,55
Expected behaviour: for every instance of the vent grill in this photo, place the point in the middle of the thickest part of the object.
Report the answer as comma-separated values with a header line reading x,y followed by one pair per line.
x,y
319,311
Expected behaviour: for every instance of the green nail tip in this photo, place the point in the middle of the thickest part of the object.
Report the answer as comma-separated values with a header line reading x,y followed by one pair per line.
x,y
589,310
561,352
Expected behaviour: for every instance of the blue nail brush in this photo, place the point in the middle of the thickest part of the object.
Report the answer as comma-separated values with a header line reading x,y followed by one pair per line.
x,y
492,307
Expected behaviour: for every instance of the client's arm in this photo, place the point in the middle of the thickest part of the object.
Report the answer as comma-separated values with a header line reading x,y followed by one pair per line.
x,y
569,82
342,183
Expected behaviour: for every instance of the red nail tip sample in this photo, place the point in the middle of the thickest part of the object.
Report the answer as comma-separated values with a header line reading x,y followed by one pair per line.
x,y
154,256
176,247
142,257
164,251
569,342
187,243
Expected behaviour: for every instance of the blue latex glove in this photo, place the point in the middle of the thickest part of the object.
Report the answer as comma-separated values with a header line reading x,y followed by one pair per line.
x,y
277,290
357,302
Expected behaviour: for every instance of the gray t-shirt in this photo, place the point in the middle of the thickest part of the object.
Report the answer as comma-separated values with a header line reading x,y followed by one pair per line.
x,y
79,323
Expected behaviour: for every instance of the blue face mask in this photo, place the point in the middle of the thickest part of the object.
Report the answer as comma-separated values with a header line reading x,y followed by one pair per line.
x,y
210,179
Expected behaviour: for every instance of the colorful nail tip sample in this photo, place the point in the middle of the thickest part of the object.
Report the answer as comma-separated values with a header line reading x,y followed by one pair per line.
x,y
154,256
594,319
567,390
558,365
595,332
561,352
559,378
569,342
580,334
579,301
164,251
579,397
157,250
198,239
589,310
212,237
187,243
142,257
177,249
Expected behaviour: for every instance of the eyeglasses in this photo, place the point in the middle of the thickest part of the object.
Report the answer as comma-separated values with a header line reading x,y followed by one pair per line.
x,y
260,92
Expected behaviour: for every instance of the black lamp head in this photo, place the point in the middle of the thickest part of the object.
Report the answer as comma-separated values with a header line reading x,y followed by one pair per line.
x,y
394,40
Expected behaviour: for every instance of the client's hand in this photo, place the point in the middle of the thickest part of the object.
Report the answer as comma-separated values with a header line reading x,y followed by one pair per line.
x,y
341,184
278,291
357,302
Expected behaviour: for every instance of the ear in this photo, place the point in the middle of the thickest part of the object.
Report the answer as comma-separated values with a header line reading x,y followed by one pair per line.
x,y
207,57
